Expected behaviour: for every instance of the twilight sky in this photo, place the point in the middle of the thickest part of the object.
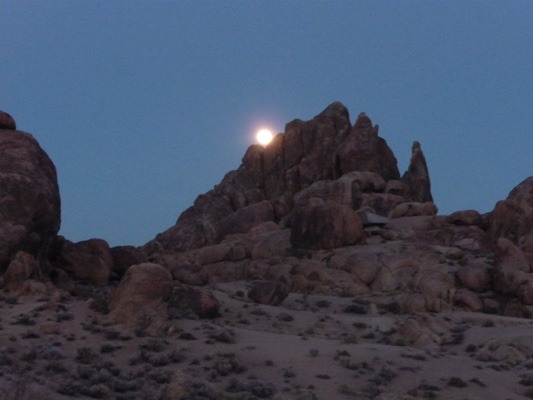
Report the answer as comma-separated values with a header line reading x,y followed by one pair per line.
x,y
144,105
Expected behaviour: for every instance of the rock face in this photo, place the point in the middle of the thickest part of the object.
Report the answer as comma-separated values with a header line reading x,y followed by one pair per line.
x,y
90,261
417,176
512,218
30,214
364,150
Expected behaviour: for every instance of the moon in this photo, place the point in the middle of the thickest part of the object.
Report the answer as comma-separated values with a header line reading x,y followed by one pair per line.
x,y
264,136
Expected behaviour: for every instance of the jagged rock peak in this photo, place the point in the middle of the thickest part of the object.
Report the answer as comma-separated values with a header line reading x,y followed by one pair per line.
x,y
364,150
335,109
417,176
363,123
7,121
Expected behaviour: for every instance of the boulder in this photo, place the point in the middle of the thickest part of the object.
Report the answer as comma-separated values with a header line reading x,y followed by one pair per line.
x,y
30,207
268,292
364,181
188,299
512,218
125,256
338,191
20,270
465,218
511,267
468,299
417,176
7,121
475,276
413,209
364,150
140,300
90,261
241,221
322,225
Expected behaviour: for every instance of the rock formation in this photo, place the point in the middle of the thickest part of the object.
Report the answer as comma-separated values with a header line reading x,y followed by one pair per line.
x,y
322,209
30,214
325,154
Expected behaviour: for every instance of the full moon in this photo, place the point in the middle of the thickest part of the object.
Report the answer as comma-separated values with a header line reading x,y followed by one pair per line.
x,y
264,136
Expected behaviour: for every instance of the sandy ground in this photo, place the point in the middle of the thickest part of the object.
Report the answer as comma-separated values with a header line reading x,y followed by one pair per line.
x,y
309,347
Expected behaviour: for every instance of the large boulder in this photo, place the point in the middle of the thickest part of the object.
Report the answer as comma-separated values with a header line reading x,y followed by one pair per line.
x,y
268,292
90,261
511,267
325,225
512,218
124,257
188,299
21,269
140,300
30,210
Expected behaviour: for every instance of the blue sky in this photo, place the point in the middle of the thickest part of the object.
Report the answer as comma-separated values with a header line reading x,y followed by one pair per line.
x,y
144,105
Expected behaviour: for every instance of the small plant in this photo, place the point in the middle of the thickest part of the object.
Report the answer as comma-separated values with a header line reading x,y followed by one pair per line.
x,y
456,382
284,317
323,303
223,336
313,352
85,355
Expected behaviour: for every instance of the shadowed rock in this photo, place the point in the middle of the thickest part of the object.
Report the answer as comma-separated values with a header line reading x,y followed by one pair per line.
x,y
185,299
7,121
268,292
364,150
30,213
417,176
512,218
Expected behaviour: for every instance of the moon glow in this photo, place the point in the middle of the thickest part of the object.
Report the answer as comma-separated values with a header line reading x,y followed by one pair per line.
x,y
264,136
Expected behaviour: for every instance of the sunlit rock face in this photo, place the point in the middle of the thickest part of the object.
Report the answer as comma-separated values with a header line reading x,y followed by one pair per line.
x,y
30,214
324,152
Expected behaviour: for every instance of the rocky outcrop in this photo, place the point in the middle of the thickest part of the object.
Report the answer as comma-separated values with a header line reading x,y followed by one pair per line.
x,y
30,214
89,261
325,158
325,225
512,218
364,150
417,176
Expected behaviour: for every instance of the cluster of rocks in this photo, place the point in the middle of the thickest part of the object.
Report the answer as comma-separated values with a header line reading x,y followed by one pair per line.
x,y
321,209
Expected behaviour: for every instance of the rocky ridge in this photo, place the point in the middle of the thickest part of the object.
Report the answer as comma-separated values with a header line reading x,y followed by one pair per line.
x,y
321,211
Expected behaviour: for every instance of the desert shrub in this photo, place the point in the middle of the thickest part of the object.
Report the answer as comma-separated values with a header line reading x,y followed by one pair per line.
x,y
263,391
107,348
354,309
154,345
284,317
323,303
64,316
456,382
85,355
227,364
223,336
24,319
